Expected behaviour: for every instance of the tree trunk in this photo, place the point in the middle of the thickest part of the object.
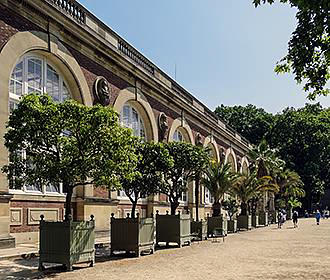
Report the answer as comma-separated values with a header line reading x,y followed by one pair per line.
x,y
197,195
174,206
243,209
68,202
134,202
216,209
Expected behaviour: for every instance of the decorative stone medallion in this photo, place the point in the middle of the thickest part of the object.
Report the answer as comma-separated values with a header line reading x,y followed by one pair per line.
x,y
163,125
101,91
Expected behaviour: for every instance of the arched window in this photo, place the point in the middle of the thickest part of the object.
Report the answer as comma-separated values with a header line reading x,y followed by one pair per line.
x,y
177,136
130,118
34,73
231,161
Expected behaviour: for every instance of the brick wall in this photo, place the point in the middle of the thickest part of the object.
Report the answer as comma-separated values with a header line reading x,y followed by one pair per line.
x,y
11,23
25,205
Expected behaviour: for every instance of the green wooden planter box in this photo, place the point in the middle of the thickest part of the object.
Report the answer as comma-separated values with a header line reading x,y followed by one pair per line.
x,y
232,226
68,242
173,228
255,221
132,234
263,218
244,222
216,222
199,229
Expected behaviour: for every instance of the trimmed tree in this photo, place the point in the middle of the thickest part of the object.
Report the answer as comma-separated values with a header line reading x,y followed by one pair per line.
x,y
188,160
153,161
231,206
67,143
218,179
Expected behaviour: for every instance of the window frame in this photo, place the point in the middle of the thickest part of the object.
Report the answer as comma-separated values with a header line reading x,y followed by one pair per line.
x,y
15,98
140,121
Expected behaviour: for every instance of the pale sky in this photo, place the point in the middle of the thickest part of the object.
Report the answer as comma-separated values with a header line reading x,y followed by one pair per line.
x,y
225,51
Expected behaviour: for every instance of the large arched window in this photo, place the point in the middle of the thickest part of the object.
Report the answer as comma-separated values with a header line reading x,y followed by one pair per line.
x,y
34,73
130,118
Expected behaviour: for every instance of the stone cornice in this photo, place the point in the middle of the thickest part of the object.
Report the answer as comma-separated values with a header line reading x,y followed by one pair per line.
x,y
94,37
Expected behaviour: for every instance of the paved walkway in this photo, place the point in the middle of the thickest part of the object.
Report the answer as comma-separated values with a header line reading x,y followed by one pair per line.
x,y
266,253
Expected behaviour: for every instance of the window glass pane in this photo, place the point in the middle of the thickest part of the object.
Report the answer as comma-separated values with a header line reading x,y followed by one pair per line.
x,y
53,84
12,105
177,136
125,116
34,75
53,188
35,188
16,80
130,118
65,92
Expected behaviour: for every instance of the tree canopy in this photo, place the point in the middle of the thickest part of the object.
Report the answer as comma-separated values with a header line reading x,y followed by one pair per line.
x,y
153,161
218,179
188,161
252,122
67,143
308,56
300,137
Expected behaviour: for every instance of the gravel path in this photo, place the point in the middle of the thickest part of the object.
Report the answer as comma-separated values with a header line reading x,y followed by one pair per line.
x,y
265,253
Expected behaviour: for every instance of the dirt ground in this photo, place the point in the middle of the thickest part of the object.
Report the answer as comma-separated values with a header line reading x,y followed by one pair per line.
x,y
265,253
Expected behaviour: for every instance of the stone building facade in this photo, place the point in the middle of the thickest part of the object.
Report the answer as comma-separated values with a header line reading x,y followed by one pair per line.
x,y
59,47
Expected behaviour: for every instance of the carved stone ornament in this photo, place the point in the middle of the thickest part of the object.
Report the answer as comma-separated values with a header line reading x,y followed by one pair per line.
x,y
101,91
198,139
239,164
163,125
222,155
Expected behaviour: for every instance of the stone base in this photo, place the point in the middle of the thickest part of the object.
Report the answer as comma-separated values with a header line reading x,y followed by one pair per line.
x,y
7,242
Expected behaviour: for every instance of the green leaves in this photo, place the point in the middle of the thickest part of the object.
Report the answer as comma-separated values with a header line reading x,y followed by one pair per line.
x,y
219,179
308,55
188,161
67,143
252,122
153,161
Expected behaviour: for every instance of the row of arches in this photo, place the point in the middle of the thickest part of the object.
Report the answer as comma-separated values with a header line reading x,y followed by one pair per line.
x,y
34,68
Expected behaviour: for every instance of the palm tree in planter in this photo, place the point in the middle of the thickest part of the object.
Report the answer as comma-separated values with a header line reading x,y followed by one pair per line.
x,y
247,188
290,189
188,160
136,234
265,162
231,206
68,144
218,179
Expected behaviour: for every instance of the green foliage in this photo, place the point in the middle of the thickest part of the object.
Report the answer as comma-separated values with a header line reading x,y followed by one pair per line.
x,y
188,161
290,189
309,46
231,206
252,122
251,187
264,160
218,179
153,161
302,137
67,143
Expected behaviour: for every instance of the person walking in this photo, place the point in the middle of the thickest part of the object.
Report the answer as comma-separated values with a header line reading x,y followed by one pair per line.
x,y
295,219
317,217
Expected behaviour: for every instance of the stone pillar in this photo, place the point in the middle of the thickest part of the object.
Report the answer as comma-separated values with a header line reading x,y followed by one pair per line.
x,y
6,241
